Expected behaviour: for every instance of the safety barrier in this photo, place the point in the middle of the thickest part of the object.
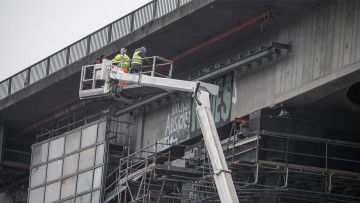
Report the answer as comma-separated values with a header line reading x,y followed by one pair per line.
x,y
88,44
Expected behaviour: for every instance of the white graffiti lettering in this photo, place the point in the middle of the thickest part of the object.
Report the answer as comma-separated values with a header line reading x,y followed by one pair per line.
x,y
179,118
170,140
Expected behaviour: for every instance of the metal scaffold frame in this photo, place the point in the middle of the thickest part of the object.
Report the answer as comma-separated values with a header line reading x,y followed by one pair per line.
x,y
149,175
116,144
68,122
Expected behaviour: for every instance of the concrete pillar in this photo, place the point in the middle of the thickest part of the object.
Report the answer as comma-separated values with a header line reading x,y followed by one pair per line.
x,y
2,136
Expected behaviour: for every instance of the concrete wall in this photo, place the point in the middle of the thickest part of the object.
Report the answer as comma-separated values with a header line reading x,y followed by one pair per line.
x,y
173,119
326,50
167,121
325,58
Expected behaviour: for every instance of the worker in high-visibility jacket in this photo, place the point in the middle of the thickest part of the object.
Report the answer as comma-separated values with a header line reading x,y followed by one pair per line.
x,y
137,60
126,63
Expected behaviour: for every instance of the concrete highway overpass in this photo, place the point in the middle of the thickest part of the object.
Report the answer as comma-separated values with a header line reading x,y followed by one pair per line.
x,y
312,69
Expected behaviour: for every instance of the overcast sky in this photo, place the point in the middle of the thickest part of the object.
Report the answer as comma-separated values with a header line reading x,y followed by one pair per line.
x,y
31,30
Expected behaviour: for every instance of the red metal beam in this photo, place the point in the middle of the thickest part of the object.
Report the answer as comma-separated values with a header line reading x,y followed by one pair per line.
x,y
259,18
55,116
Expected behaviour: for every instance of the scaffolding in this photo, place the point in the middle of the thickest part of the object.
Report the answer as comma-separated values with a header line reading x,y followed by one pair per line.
x,y
71,161
261,170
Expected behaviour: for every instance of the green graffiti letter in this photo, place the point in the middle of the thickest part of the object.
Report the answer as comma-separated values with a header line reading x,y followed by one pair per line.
x,y
225,109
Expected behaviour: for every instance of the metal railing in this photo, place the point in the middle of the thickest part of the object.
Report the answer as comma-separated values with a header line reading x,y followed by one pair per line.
x,y
88,44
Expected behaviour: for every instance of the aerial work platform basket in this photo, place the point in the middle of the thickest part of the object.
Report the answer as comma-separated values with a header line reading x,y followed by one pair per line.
x,y
95,81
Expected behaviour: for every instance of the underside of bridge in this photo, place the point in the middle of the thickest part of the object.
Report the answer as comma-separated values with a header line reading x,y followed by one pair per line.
x,y
309,155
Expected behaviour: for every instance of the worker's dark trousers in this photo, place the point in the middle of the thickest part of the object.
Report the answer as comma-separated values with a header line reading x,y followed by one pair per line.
x,y
135,68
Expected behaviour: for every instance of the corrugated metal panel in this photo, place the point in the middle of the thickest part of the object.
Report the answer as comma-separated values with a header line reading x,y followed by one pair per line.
x,y
38,71
143,16
18,81
4,88
98,39
165,6
78,50
57,61
121,28
182,2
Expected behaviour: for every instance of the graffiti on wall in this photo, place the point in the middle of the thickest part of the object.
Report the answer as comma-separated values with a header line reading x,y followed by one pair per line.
x,y
179,118
182,123
171,140
178,122
220,104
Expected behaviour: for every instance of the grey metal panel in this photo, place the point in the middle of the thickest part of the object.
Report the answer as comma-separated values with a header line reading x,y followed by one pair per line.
x,y
100,154
4,89
68,187
52,192
57,61
38,71
56,148
37,195
182,2
18,81
120,28
97,177
98,39
69,201
95,197
84,181
83,198
88,136
54,170
101,131
38,176
78,50
87,159
165,6
143,16
70,164
72,142
40,153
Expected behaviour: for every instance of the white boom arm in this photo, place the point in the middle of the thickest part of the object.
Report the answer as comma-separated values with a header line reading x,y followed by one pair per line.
x,y
201,90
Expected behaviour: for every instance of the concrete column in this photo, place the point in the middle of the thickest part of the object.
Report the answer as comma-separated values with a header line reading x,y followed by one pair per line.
x,y
2,135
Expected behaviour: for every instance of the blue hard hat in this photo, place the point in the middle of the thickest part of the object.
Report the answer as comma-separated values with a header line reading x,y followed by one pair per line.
x,y
143,49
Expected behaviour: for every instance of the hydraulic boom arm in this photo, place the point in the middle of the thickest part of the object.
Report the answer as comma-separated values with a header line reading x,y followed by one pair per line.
x,y
201,92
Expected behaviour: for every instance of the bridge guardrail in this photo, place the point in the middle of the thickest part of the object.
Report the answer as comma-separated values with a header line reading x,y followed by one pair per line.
x,y
88,44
